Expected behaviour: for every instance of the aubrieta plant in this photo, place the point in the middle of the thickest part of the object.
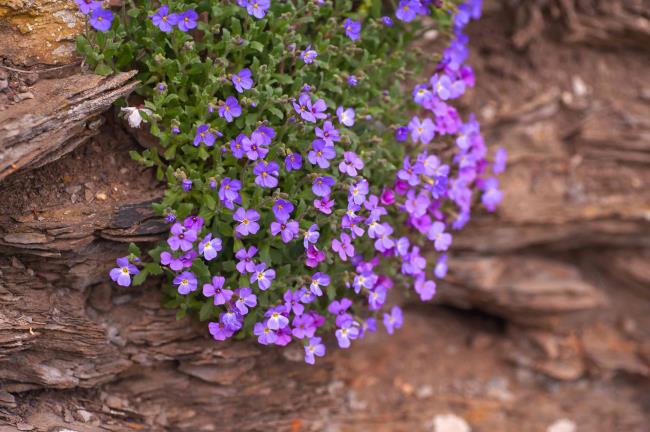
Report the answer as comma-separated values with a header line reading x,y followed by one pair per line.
x,y
306,179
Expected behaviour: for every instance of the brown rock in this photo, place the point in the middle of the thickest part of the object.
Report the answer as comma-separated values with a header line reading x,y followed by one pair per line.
x,y
39,31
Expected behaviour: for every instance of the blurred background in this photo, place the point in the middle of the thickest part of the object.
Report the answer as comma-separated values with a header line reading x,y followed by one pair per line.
x,y
543,324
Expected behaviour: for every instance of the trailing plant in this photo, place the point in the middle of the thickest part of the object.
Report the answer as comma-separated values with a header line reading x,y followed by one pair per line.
x,y
301,188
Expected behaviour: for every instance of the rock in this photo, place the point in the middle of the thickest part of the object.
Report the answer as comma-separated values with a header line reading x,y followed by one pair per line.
x,y
450,423
562,425
39,31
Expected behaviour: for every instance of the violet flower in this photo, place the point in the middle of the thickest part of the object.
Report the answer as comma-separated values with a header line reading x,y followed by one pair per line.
x,y
242,80
187,20
162,18
215,289
122,273
247,221
230,109
262,276
312,349
209,247
393,320
186,282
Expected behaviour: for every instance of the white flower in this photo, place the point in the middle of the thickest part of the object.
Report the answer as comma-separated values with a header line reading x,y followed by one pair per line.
x,y
134,117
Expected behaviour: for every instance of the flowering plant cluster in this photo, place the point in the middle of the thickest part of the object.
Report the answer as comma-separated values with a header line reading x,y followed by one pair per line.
x,y
305,179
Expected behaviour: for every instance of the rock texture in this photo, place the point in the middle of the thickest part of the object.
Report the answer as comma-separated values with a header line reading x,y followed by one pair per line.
x,y
555,285
39,31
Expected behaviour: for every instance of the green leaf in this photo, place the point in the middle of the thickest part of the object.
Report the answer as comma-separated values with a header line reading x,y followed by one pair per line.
x,y
257,46
103,69
206,310
140,277
135,250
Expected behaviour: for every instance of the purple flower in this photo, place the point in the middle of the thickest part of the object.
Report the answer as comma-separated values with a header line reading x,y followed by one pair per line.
x,y
303,326
322,186
440,269
262,276
288,230
229,191
266,173
231,320
292,303
352,81
377,298
184,261
237,146
441,240
186,184
311,235
407,10
187,20
247,221
445,88
388,21
358,192
401,133
203,135
352,29
317,280
416,205
385,242
422,131
339,308
276,320
421,93
209,247
350,164
500,159
230,109
308,55
365,280
329,133
413,263
242,80
282,209
245,257
182,238
346,116
87,6
492,196
318,109
425,288
101,19
393,320
314,348
304,108
343,246
122,273
263,135
186,282
321,153
254,147
324,204
245,299
293,161
215,289
314,256
163,19
219,331
265,335
256,8
346,334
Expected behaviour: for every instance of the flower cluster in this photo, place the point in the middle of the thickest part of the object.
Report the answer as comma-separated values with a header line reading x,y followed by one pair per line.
x,y
305,185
